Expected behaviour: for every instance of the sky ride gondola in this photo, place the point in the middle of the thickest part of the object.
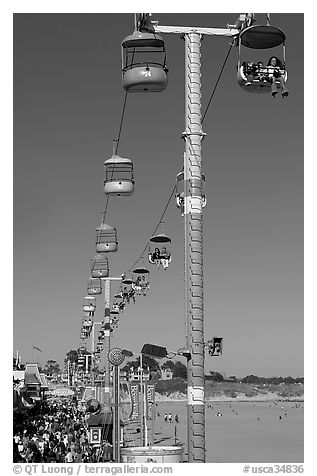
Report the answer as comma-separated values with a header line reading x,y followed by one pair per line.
x,y
87,325
118,176
139,72
106,239
94,286
89,305
159,255
141,282
180,193
114,312
255,76
115,308
100,266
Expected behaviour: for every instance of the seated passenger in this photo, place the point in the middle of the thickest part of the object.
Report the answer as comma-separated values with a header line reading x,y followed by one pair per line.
x,y
275,66
125,295
254,72
155,257
144,285
131,295
137,286
165,258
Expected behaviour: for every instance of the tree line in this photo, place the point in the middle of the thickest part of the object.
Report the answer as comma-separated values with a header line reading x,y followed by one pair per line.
x,y
178,369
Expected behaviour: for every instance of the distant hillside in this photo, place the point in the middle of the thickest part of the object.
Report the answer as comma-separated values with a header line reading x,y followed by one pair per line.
x,y
177,388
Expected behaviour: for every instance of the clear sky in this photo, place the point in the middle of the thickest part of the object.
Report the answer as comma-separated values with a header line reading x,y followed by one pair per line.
x,y
68,100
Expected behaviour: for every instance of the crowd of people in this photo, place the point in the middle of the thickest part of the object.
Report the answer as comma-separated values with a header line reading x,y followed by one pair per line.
x,y
56,434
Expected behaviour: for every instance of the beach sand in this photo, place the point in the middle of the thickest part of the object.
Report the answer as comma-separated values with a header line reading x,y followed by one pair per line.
x,y
247,432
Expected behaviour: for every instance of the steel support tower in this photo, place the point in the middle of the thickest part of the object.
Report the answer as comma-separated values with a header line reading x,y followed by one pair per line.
x,y
193,223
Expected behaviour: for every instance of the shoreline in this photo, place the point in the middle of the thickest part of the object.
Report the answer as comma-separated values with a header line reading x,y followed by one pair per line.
x,y
219,399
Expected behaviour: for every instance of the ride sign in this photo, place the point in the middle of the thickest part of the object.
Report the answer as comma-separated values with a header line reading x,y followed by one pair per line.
x,y
150,399
135,396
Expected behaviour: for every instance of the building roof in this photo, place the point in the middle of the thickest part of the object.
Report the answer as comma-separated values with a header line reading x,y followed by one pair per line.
x,y
32,374
32,379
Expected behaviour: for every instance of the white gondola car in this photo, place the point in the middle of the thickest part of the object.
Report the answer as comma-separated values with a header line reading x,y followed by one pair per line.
x,y
139,72
89,304
260,37
118,176
106,239
99,266
160,249
94,286
179,195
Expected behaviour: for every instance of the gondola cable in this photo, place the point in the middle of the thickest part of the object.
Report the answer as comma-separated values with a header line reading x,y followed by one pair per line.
x,y
116,149
174,188
214,90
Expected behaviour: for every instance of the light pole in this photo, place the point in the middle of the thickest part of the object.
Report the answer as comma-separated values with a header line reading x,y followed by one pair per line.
x,y
116,358
93,356
107,329
193,223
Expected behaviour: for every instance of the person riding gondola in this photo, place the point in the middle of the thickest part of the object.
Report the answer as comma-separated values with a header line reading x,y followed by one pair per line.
x,y
137,286
165,257
275,71
131,295
144,285
254,71
155,257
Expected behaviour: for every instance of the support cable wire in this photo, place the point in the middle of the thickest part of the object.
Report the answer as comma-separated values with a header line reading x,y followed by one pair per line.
x,y
214,90
164,211
174,188
160,221
116,149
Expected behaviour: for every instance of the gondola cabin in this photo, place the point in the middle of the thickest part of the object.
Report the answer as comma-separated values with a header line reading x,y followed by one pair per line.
x,y
141,273
89,304
94,286
160,249
115,307
86,326
118,176
194,184
100,266
106,239
114,322
141,280
144,63
257,76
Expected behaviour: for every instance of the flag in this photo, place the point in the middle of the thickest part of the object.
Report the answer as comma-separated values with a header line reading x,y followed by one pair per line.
x,y
34,347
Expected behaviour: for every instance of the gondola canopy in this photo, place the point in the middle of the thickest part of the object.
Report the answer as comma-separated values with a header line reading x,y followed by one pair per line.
x,y
262,37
